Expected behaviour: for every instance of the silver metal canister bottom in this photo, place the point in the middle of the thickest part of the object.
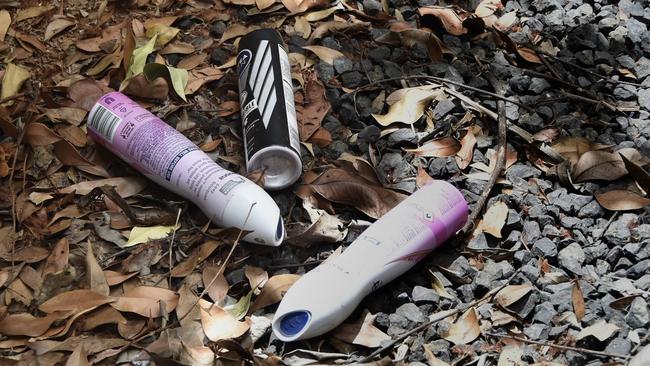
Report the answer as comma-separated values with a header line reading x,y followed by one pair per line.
x,y
281,166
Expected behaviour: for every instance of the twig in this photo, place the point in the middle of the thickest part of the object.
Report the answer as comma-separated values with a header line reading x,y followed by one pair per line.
x,y
171,245
420,327
499,87
12,97
441,80
558,346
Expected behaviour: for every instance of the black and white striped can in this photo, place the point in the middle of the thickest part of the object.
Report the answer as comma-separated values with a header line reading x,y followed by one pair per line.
x,y
268,111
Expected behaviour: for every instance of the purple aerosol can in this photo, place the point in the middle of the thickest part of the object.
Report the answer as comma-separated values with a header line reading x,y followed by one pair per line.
x,y
170,159
268,111
325,296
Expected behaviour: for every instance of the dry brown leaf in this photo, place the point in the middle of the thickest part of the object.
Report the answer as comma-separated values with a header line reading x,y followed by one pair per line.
x,y
256,276
311,108
422,178
96,278
124,186
451,20
410,107
598,165
446,146
23,324
263,4
362,332
466,153
177,47
573,147
321,138
302,27
335,26
13,78
79,357
199,77
233,31
300,6
601,331
189,264
637,172
578,300
218,324
274,290
511,294
486,9
326,54
494,219
74,301
321,227
115,278
219,288
431,358
622,200
102,316
57,261
32,12
146,301
511,356
529,55
193,61
55,27
465,329
547,135
5,22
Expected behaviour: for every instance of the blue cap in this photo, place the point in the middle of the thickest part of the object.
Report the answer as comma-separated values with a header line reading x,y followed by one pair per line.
x,y
294,322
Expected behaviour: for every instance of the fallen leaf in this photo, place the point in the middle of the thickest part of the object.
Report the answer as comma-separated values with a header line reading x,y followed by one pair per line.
x,y
443,147
511,356
600,330
32,12
321,227
315,16
177,77
12,80
233,31
57,261
115,278
547,135
141,235
146,301
465,329
573,147
410,107
311,108
74,301
466,153
240,308
506,21
333,26
193,61
79,357
431,358
622,200
218,324
263,4
256,276
55,27
494,219
274,290
451,20
103,315
23,324
327,55
637,172
362,332
125,186
578,300
96,278
511,294
163,33
219,287
438,286
199,77
5,22
529,55
186,267
598,165
422,178
486,9
138,60
300,6
302,27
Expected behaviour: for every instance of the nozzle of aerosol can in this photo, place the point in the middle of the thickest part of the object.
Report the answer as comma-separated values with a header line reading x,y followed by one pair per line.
x,y
324,297
170,159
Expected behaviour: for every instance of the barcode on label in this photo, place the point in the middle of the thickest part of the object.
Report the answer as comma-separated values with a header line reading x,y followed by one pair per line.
x,y
104,122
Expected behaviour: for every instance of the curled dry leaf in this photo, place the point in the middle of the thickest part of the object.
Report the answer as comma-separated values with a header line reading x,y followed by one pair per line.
x,y
219,287
410,106
141,235
511,294
466,153
529,55
622,200
145,301
598,165
32,12
451,19
189,264
321,228
102,316
601,331
218,324
465,329
311,107
115,278
573,147
55,27
74,301
12,80
578,301
336,26
274,290
362,332
422,178
494,219
637,172
326,54
256,276
486,9
5,22
96,278
57,261
79,357
23,324
446,146
300,6
125,186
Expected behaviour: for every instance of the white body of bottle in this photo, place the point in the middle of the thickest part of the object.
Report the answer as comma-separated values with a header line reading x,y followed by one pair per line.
x,y
324,297
170,159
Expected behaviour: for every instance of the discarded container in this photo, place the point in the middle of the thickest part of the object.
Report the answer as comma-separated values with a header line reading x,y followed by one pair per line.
x,y
170,159
327,295
268,111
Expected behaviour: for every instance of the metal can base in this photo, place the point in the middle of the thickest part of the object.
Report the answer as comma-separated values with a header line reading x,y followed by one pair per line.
x,y
282,166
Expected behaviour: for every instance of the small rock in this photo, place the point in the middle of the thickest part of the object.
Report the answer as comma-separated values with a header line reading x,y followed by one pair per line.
x,y
537,331
538,85
637,315
619,346
478,241
411,312
531,231
352,79
522,171
544,247
635,30
591,209
519,84
619,231
372,7
343,64
544,313
219,56
572,257
369,134
217,28
424,295
442,108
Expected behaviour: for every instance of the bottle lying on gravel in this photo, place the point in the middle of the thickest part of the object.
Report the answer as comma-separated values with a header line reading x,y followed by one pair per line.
x,y
170,159
328,294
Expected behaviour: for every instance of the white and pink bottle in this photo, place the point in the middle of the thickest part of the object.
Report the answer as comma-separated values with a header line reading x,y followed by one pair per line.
x,y
324,297
170,159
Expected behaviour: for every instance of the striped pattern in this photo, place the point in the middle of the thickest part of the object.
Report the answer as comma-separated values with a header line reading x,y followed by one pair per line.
x,y
262,82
